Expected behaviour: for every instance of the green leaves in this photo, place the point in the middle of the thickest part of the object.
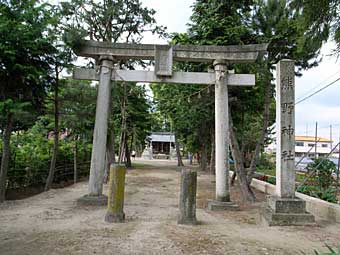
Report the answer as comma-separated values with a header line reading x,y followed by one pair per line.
x,y
108,20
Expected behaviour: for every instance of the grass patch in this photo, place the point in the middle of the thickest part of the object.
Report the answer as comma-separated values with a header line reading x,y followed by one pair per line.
x,y
141,165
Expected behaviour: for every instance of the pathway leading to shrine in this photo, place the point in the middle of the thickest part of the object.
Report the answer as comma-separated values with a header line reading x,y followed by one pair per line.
x,y
52,223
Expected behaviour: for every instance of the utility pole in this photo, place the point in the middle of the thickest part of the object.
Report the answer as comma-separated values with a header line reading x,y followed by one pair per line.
x,y
330,135
337,171
316,137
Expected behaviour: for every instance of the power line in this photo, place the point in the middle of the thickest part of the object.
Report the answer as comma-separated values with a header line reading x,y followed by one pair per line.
x,y
316,92
319,84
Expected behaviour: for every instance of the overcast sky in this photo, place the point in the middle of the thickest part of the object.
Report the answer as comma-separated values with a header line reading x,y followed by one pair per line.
x,y
323,107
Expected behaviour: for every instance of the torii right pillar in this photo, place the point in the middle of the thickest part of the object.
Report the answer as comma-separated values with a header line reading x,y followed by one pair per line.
x,y
284,209
222,200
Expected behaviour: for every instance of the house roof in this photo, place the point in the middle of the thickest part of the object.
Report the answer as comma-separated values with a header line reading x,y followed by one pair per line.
x,y
311,139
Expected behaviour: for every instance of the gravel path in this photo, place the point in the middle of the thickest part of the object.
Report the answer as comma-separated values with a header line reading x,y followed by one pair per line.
x,y
51,223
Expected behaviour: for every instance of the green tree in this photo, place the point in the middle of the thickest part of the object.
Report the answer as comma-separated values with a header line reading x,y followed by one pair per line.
x,y
274,22
25,50
319,19
252,109
189,108
76,107
131,113
111,21
61,60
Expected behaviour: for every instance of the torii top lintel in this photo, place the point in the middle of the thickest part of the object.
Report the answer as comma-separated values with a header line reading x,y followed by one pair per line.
x,y
192,53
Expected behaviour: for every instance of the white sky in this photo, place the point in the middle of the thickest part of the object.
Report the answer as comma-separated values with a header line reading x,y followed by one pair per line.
x,y
323,107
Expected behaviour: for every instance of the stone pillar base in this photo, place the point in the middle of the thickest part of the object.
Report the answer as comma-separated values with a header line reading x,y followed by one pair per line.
x,y
90,200
286,212
214,205
185,221
115,217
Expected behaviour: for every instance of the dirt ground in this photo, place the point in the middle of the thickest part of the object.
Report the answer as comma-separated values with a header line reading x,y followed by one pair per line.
x,y
52,223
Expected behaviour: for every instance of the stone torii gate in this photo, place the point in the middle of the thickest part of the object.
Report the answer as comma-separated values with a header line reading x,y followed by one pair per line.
x,y
164,55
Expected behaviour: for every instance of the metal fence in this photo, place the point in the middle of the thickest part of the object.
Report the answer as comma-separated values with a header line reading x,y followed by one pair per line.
x,y
29,177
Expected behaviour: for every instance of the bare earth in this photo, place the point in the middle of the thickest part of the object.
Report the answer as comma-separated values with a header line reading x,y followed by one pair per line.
x,y
51,223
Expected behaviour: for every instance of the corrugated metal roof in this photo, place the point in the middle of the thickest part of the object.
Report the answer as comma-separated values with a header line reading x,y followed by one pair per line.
x,y
311,139
162,137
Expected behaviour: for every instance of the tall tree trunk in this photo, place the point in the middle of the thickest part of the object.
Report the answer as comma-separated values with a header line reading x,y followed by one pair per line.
x,y
245,188
110,147
204,157
131,142
56,134
127,154
233,178
260,142
178,152
213,154
123,129
110,154
75,156
202,137
6,152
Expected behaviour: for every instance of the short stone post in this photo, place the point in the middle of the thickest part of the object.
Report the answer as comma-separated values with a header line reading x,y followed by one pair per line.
x,y
115,205
285,208
187,199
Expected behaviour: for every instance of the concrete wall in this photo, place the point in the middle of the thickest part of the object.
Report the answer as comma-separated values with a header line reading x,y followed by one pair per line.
x,y
319,208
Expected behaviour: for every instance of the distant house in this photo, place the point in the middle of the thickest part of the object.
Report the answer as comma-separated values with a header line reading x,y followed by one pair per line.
x,y
305,146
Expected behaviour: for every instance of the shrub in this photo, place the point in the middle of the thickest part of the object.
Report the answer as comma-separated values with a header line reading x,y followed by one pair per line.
x,y
323,169
328,195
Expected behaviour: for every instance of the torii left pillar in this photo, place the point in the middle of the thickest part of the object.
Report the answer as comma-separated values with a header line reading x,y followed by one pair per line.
x,y
95,196
222,201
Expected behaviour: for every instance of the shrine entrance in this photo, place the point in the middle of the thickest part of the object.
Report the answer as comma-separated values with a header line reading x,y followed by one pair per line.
x,y
107,54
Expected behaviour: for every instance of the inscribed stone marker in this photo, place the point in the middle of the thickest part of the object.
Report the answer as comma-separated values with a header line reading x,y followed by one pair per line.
x,y
284,209
285,121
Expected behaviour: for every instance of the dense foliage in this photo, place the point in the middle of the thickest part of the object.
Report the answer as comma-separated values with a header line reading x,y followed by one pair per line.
x,y
320,183
46,120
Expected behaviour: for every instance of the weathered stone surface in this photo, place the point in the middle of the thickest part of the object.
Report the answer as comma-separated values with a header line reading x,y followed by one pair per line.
x,y
287,219
221,132
233,53
214,205
187,199
89,200
115,205
284,208
100,128
286,205
177,77
163,60
285,129
147,153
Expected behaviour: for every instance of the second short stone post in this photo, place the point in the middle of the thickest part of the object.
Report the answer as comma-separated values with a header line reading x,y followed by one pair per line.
x,y
115,205
187,200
